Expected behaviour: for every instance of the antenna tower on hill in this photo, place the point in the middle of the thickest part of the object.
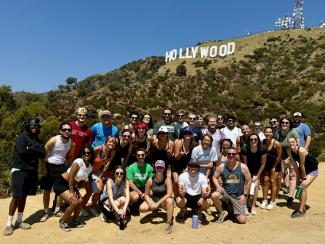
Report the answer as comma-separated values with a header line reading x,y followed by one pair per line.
x,y
298,16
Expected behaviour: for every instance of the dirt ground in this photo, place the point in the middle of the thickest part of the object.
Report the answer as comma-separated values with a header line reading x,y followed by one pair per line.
x,y
274,226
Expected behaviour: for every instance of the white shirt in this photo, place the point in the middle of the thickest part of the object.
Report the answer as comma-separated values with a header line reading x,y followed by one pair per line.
x,y
231,134
193,185
83,171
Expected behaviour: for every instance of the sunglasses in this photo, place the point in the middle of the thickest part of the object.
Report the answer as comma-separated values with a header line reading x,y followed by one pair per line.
x,y
187,134
87,153
65,129
82,115
180,115
285,123
141,155
167,114
159,168
192,118
273,121
134,118
119,173
232,154
33,126
253,139
220,118
231,120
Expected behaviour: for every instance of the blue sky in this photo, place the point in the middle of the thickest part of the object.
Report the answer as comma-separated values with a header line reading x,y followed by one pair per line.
x,y
43,42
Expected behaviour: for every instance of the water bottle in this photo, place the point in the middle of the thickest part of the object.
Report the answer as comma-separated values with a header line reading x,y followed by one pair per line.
x,y
252,189
195,221
299,191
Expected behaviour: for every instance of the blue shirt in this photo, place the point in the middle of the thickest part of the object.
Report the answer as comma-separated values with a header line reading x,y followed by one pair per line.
x,y
100,133
303,132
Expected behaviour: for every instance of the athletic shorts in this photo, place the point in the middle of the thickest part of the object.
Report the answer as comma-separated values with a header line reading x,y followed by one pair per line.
x,y
238,208
24,183
60,186
53,172
191,201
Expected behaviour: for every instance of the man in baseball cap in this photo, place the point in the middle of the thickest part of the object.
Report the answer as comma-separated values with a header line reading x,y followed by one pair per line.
x,y
303,130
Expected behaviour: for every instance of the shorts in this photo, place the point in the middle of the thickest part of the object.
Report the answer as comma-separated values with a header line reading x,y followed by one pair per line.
x,y
24,183
53,172
313,173
192,201
60,186
239,209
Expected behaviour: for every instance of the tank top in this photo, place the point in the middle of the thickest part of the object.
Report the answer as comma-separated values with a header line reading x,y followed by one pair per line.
x,y
83,171
270,156
182,163
118,191
311,163
59,151
158,189
233,180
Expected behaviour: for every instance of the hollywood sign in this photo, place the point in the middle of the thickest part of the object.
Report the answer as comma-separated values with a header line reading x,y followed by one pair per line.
x,y
202,52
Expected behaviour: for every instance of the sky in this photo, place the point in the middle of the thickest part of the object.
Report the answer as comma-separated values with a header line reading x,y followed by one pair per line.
x,y
44,42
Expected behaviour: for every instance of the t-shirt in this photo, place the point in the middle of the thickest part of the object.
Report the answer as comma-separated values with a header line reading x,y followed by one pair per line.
x,y
100,133
83,171
216,138
172,135
80,136
283,139
203,157
193,185
253,159
303,132
231,134
197,133
139,175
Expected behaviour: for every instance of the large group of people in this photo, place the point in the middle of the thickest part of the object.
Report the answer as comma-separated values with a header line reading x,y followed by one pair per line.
x,y
151,166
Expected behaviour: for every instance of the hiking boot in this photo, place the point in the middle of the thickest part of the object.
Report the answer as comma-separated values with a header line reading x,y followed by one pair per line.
x,y
289,201
22,225
77,224
223,215
297,214
168,228
264,204
8,231
202,218
64,226
271,205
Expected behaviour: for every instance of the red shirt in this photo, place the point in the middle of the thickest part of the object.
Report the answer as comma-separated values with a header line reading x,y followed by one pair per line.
x,y
80,136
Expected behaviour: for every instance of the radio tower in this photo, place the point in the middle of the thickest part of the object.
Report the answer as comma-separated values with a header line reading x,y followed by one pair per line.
x,y
297,16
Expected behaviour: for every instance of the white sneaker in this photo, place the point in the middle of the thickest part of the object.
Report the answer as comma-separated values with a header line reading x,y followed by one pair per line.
x,y
246,211
253,211
264,204
103,217
84,213
271,205
94,212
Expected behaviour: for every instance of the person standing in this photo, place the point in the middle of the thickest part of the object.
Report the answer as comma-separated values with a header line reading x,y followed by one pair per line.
x,y
236,181
55,164
167,123
24,176
303,130
231,131
100,131
214,132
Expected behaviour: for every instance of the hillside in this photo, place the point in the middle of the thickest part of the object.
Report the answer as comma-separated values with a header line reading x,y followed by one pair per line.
x,y
272,73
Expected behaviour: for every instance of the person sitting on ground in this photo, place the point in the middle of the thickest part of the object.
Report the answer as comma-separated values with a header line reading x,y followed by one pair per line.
x,y
137,175
193,192
66,187
234,189
118,193
158,194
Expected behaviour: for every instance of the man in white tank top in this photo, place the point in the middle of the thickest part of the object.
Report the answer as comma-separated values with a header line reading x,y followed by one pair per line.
x,y
54,165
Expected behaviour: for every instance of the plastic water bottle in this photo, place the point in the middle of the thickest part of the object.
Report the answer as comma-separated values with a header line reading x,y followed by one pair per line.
x,y
252,189
299,191
195,221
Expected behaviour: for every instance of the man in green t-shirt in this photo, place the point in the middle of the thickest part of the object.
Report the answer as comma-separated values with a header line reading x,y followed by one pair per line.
x,y
137,174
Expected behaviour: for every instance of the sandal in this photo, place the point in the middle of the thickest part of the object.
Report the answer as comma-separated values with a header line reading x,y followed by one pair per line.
x,y
44,217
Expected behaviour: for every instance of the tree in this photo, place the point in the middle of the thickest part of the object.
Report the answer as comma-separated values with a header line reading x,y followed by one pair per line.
x,y
181,70
71,81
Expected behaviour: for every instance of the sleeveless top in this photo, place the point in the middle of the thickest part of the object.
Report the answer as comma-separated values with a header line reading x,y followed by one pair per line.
x,y
118,191
59,151
182,162
233,180
100,160
270,157
83,171
311,163
160,154
158,189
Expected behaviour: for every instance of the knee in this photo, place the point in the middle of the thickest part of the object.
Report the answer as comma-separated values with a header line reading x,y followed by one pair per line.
x,y
215,195
143,208
169,202
241,219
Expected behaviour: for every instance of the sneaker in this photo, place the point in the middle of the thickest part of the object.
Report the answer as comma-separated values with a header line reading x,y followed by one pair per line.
x,y
84,213
75,223
56,211
246,211
22,225
271,205
94,212
8,231
181,216
103,217
64,226
253,211
264,204
45,216
289,201
168,228
223,215
285,190
297,214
